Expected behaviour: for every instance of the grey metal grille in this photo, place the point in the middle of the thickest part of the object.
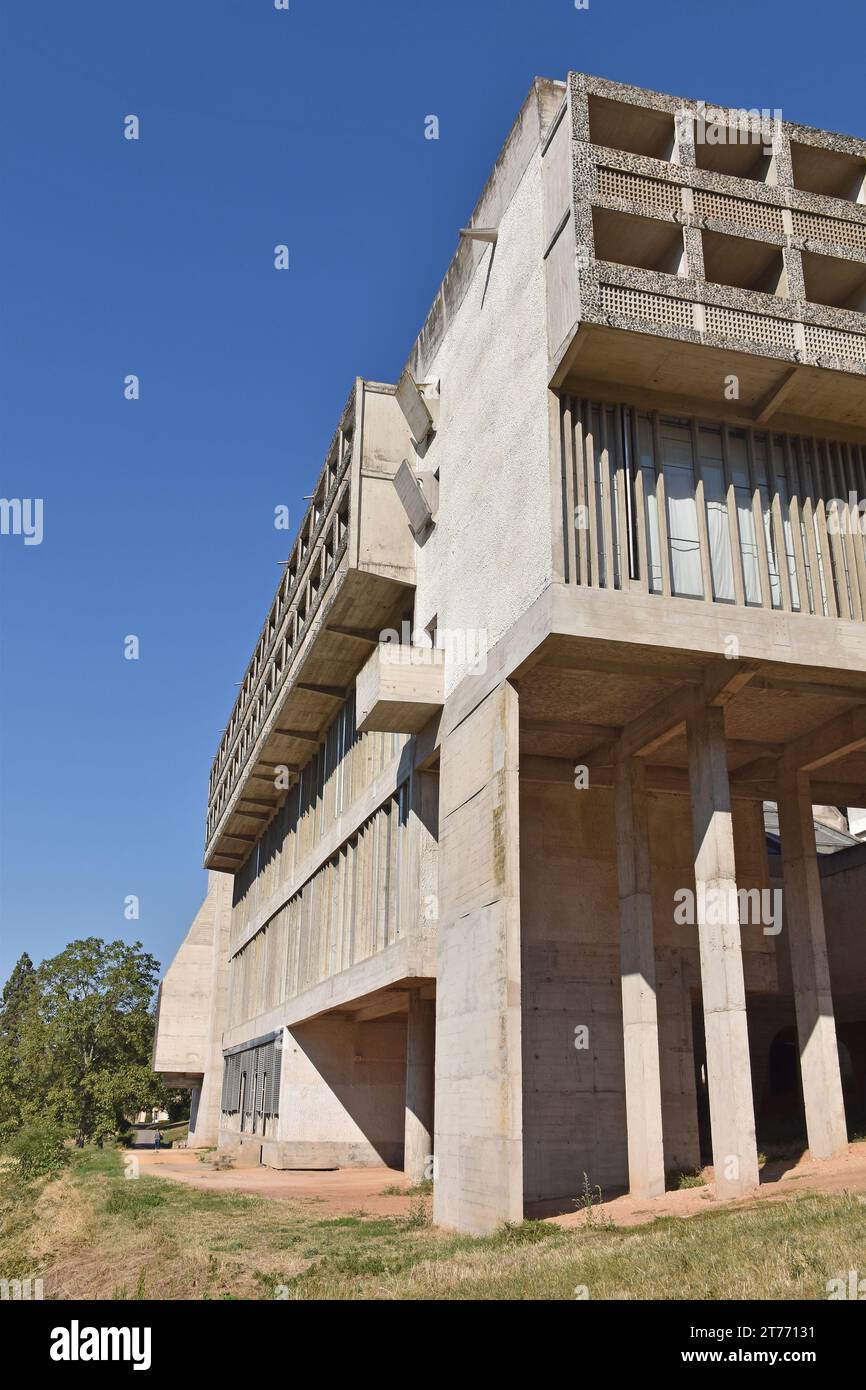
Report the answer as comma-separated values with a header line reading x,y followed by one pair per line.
x,y
262,1065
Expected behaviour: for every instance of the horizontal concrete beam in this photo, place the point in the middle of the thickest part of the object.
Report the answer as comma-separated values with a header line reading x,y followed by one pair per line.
x,y
843,735
358,986
663,778
651,730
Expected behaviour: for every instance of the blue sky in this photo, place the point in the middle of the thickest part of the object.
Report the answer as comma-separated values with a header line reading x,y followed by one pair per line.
x,y
155,257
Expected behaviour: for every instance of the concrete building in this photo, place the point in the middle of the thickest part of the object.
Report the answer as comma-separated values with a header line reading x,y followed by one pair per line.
x,y
490,894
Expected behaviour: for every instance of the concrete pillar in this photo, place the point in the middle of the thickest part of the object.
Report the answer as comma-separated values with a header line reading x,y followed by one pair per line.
x,y
479,1147
420,1061
643,1098
194,1100
732,1112
813,998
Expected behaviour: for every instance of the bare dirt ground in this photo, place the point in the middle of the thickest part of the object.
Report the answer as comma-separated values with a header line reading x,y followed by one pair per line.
x,y
345,1191
780,1180
337,1192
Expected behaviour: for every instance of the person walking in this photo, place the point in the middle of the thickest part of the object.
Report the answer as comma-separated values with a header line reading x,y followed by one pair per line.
x,y
157,1139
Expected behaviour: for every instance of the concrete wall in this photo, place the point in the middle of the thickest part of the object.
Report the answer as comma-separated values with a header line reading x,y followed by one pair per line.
x,y
205,1116
346,766
843,892
574,1099
490,554
181,1043
191,1011
342,1094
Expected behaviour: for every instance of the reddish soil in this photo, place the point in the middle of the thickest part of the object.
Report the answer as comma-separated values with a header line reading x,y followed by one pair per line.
x,y
338,1191
779,1180
353,1190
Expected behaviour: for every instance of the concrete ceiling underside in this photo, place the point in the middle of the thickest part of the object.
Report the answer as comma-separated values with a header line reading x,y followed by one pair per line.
x,y
687,378
577,696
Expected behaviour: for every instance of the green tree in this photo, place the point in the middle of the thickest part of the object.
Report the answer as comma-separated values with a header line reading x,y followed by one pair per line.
x,y
84,1037
17,1005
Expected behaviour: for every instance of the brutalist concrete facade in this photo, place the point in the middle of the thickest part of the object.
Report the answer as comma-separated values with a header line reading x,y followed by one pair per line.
x,y
574,600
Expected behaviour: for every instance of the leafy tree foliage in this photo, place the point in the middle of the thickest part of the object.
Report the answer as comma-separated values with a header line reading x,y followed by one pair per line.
x,y
75,1039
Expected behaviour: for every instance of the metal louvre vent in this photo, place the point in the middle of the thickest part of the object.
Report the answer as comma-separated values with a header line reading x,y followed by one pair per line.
x,y
231,1083
272,1092
262,1067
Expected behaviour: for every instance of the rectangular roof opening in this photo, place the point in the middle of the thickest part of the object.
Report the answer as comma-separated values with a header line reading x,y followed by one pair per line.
x,y
742,153
837,283
619,125
829,172
645,242
744,264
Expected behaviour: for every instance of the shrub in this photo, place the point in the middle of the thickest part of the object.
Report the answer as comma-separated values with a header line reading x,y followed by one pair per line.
x,y
39,1148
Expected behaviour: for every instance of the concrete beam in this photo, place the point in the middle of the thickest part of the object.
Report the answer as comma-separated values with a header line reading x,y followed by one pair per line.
x,y
665,719
790,685
843,735
769,405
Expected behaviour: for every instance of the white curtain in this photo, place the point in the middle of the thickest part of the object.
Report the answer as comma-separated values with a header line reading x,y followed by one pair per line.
x,y
682,515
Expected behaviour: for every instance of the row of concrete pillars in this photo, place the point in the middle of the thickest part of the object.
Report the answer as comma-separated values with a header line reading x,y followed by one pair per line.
x,y
732,1114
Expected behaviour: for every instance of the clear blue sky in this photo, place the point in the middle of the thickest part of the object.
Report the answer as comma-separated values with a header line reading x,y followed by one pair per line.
x,y
258,127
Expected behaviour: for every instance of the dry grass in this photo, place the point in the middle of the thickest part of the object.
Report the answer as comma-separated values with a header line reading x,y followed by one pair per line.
x,y
92,1234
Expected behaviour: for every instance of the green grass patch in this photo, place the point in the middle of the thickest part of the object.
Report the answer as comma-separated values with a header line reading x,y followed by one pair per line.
x,y
685,1180
135,1199
92,1233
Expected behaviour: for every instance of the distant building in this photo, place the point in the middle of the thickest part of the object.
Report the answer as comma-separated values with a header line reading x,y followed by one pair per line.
x,y
571,601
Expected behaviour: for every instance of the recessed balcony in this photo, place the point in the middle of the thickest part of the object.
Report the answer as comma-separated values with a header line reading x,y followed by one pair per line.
x,y
744,264
645,242
640,130
830,173
740,152
710,289
832,281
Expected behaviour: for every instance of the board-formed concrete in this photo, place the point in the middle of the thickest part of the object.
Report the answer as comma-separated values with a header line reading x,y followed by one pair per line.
x,y
479,1175
735,1157
816,1024
575,598
646,1167
420,1088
